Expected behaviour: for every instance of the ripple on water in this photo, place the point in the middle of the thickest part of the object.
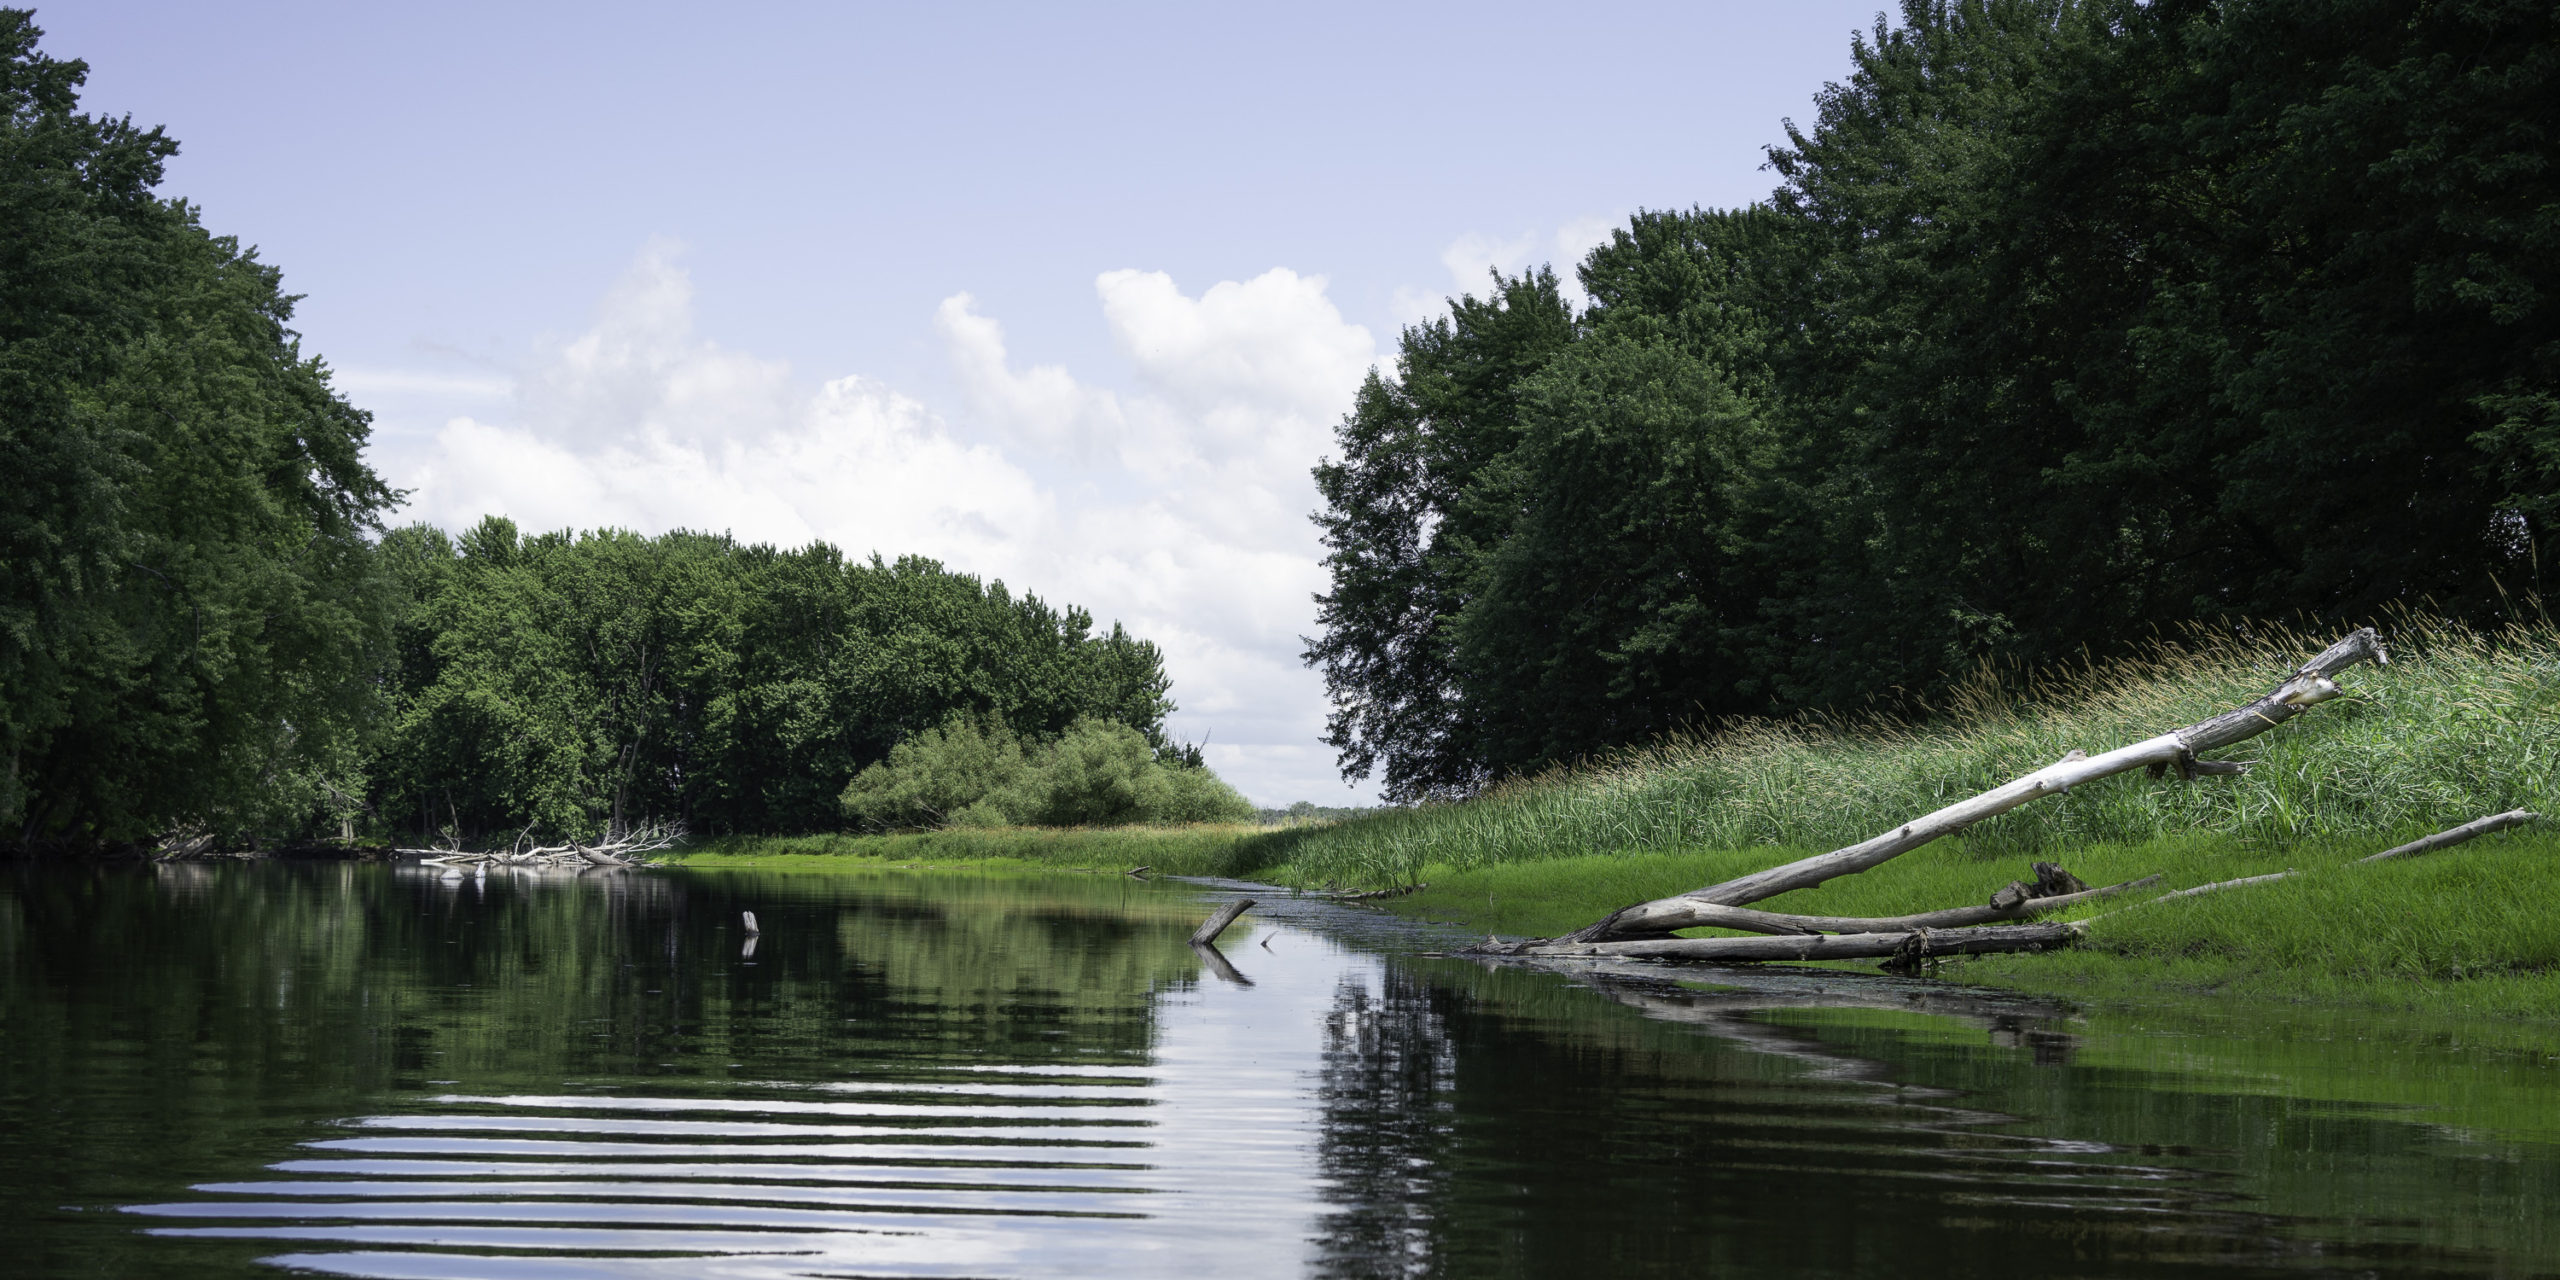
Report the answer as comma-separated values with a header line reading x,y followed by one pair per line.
x,y
946,1172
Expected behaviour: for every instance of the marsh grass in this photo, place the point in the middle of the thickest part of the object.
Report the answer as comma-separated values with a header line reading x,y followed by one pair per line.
x,y
2462,724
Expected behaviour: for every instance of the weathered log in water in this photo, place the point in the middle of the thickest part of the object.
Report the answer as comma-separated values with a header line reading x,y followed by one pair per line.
x,y
2009,904
1913,943
2309,685
2447,839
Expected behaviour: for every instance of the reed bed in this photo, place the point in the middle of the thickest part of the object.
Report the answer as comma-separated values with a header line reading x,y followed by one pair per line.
x,y
2463,723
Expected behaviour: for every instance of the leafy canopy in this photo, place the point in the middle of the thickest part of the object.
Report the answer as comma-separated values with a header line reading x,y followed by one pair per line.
x,y
2069,319
191,621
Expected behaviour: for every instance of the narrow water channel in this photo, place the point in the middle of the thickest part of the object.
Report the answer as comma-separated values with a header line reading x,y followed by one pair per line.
x,y
367,1071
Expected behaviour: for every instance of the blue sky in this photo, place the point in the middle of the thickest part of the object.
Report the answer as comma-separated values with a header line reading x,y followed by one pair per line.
x,y
1066,295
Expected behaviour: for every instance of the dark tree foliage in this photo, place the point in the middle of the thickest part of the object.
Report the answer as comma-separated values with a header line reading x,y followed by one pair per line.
x,y
1609,611
190,616
2069,319
1408,525
581,683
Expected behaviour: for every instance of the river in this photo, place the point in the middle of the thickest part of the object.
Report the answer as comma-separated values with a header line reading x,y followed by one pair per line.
x,y
366,1070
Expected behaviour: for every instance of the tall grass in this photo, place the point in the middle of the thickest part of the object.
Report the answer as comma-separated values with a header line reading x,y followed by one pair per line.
x,y
2463,723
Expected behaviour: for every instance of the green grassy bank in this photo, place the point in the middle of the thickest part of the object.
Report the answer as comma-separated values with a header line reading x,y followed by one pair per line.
x,y
1207,850
2460,725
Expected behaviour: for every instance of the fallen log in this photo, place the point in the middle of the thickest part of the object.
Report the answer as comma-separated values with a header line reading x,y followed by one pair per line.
x,y
1749,921
1909,943
2447,839
2309,685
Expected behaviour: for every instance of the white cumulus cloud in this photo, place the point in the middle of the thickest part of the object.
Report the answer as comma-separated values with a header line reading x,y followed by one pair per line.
x,y
1177,507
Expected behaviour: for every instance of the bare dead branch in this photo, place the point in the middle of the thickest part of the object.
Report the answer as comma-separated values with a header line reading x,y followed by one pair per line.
x,y
2447,839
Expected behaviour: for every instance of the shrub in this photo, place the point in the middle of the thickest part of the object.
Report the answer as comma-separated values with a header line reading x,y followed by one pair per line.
x,y
940,775
1098,773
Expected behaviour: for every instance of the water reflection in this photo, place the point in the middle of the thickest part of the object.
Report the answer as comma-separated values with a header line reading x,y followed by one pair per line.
x,y
354,1070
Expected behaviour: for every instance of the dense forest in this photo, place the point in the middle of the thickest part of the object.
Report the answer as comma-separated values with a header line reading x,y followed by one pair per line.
x,y
587,683
2066,321
207,631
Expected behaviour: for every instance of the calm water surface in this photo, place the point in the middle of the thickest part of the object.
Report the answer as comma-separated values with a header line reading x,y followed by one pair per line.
x,y
369,1071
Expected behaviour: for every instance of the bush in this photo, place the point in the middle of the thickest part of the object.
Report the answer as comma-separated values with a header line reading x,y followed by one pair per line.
x,y
939,776
1098,773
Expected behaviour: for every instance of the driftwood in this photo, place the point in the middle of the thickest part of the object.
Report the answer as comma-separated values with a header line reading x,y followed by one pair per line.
x,y
1207,934
2309,685
2468,830
624,850
2003,906
1912,943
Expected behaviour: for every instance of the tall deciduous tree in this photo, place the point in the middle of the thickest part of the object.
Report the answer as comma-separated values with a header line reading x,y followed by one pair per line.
x,y
2070,318
586,682
1406,526
190,618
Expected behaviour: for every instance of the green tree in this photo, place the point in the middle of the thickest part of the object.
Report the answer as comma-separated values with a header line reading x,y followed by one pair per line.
x,y
2069,319
1406,526
191,618
583,683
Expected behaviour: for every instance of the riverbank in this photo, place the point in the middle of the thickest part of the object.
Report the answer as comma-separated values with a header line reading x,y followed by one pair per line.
x,y
1204,850
2473,930
2460,725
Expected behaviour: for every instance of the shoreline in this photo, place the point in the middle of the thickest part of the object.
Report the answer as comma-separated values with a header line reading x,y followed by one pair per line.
x,y
2455,933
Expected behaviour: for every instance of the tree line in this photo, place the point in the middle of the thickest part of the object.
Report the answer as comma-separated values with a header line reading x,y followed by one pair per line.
x,y
583,683
2068,319
206,627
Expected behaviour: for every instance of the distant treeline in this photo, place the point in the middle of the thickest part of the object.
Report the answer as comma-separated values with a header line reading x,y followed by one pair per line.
x,y
585,683
2067,320
1309,811
204,626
